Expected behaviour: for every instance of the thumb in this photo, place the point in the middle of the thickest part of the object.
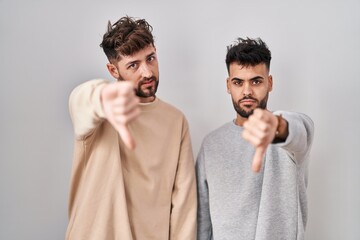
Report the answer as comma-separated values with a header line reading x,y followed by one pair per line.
x,y
126,136
258,158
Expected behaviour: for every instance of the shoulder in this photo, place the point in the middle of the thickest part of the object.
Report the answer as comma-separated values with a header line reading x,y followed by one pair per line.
x,y
170,109
220,133
218,141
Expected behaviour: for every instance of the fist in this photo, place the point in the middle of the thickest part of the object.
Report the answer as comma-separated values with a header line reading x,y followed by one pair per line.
x,y
121,106
260,131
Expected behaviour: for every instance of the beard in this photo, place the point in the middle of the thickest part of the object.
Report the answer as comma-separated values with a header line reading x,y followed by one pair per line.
x,y
246,113
150,91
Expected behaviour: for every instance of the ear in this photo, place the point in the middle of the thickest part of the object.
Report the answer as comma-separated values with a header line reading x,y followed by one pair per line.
x,y
228,85
113,70
270,83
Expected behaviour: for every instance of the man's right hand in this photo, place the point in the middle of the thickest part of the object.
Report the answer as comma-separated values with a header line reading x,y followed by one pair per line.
x,y
121,106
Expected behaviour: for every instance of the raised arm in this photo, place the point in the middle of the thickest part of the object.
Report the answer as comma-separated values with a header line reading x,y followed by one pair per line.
x,y
292,131
94,101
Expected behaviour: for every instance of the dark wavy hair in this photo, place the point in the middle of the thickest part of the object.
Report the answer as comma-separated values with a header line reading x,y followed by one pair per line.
x,y
248,52
126,37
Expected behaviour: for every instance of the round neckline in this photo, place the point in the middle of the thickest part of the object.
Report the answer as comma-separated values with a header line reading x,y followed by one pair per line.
x,y
150,105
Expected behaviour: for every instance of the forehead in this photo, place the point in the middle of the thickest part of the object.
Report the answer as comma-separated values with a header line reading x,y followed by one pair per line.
x,y
237,69
139,55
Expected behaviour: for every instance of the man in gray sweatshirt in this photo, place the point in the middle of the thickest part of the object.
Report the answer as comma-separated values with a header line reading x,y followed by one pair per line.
x,y
252,171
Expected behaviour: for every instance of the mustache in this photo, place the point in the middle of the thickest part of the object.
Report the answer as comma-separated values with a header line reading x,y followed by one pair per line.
x,y
248,97
147,80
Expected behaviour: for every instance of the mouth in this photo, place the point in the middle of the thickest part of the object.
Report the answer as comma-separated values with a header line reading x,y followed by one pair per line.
x,y
248,102
147,82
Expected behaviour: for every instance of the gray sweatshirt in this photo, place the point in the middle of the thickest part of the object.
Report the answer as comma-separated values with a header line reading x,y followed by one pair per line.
x,y
234,203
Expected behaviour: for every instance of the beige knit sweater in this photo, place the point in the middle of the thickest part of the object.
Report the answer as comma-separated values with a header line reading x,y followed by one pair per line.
x,y
122,194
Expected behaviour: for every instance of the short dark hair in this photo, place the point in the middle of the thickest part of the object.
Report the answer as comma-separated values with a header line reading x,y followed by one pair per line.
x,y
248,52
126,37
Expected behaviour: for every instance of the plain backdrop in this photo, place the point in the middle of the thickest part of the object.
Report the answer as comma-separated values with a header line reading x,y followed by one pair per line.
x,y
49,47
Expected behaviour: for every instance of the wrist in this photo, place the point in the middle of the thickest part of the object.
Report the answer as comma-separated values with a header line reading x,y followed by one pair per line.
x,y
281,132
279,123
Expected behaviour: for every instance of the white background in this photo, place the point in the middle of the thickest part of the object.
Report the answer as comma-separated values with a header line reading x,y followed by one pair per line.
x,y
49,47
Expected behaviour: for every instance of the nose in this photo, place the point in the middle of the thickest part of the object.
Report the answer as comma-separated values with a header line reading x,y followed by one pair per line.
x,y
145,71
247,91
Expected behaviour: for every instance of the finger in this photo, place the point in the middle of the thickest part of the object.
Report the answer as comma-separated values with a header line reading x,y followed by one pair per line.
x,y
258,158
121,88
256,131
109,92
265,116
125,88
255,123
125,105
123,119
260,113
126,136
255,141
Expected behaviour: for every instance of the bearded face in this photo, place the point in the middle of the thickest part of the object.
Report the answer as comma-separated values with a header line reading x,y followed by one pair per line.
x,y
147,87
141,69
245,110
249,87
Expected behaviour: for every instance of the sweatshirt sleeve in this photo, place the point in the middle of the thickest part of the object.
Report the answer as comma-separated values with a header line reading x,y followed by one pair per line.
x,y
184,199
85,107
204,231
301,134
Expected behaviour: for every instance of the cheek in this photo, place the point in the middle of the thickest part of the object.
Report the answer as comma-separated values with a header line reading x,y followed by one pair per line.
x,y
261,94
235,95
129,75
235,90
154,69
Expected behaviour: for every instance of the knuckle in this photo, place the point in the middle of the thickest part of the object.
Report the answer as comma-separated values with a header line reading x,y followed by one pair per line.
x,y
257,142
262,136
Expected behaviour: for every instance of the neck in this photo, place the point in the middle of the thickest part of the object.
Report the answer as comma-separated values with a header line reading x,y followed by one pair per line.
x,y
147,99
240,120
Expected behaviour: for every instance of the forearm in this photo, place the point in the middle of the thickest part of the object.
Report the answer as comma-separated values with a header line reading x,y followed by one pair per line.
x,y
300,132
85,107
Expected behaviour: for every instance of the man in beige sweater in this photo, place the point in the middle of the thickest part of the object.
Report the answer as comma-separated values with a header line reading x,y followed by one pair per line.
x,y
121,190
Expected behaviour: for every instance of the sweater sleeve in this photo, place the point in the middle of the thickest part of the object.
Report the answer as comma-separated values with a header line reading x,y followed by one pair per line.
x,y
184,202
85,107
301,134
204,231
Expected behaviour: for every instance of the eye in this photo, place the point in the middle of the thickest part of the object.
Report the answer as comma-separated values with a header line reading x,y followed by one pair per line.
x,y
256,82
132,66
237,82
151,58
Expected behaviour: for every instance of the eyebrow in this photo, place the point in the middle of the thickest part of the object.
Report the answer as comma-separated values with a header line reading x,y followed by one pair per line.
x,y
151,54
136,61
251,79
132,62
